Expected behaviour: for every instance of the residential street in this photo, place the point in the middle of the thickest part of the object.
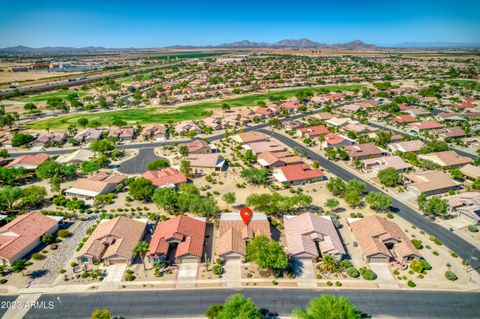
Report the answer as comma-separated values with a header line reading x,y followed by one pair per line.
x,y
193,303
452,241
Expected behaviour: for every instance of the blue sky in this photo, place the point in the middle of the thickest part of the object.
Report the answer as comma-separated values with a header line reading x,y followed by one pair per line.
x,y
162,23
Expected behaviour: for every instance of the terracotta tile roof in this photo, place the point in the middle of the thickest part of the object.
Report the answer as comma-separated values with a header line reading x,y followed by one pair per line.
x,y
314,131
205,160
360,150
166,177
384,162
450,132
21,233
88,134
303,231
446,158
471,171
371,233
115,237
267,146
297,172
250,137
126,133
233,233
197,145
427,125
404,118
270,158
51,137
29,161
407,146
333,139
98,183
188,232
154,130
429,181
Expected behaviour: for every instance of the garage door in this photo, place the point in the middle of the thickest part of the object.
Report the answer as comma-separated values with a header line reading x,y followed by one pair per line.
x,y
378,260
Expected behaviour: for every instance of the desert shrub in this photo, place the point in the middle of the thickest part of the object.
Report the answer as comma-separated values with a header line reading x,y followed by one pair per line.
x,y
473,228
129,277
368,274
417,243
411,284
217,270
450,275
329,283
62,233
353,272
338,284
38,256
346,264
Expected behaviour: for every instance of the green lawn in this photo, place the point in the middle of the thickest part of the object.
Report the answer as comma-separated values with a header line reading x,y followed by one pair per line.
x,y
182,113
45,97
186,55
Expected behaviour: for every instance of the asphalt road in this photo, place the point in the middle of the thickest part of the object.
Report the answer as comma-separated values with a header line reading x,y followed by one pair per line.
x,y
460,152
138,164
193,303
452,241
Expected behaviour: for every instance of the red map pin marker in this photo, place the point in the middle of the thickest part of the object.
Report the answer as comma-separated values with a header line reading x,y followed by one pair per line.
x,y
246,214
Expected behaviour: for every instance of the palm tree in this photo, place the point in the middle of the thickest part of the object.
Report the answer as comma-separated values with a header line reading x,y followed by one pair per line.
x,y
141,249
19,266
330,264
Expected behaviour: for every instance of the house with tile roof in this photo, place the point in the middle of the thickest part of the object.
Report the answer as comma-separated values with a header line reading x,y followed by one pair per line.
x,y
297,174
23,234
266,146
419,127
88,135
29,162
310,236
213,162
446,159
178,240
404,119
471,172
77,157
406,146
53,138
157,132
429,182
335,140
99,184
249,137
167,177
380,163
450,132
313,131
277,159
466,205
123,134
383,241
233,234
112,241
364,151
198,147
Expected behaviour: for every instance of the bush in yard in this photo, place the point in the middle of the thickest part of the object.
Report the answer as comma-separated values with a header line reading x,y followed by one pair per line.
x,y
425,264
450,275
411,284
417,243
38,256
346,264
367,274
217,270
473,228
129,277
329,283
353,272
62,233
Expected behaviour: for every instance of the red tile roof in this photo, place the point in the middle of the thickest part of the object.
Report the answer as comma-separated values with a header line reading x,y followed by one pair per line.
x,y
300,172
22,232
404,118
314,131
29,160
165,177
189,231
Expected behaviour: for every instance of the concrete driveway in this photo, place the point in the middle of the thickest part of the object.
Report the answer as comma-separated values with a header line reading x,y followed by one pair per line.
x,y
233,273
187,274
115,273
385,278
